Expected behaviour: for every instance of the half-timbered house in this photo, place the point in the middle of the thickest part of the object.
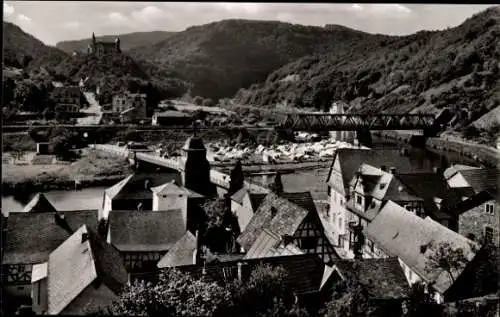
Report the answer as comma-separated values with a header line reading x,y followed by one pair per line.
x,y
396,232
144,237
83,275
29,239
345,163
39,203
292,223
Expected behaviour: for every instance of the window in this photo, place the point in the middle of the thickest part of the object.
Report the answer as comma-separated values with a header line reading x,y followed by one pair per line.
x,y
333,217
340,223
488,234
489,208
359,199
309,242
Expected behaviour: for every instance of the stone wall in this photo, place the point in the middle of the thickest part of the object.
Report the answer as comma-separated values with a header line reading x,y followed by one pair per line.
x,y
474,221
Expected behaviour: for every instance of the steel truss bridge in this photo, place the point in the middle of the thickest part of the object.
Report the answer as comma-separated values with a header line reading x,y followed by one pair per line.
x,y
317,122
290,122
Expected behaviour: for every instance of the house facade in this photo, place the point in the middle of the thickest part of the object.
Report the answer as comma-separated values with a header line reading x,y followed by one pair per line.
x,y
344,166
244,204
67,95
414,241
83,275
144,237
131,107
293,224
30,238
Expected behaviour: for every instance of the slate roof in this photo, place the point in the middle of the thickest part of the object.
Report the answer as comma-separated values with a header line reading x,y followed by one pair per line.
x,y
173,114
257,199
30,237
239,195
286,221
384,278
194,143
428,186
305,272
133,186
482,179
269,244
181,252
400,233
75,265
351,159
146,230
452,170
39,203
301,199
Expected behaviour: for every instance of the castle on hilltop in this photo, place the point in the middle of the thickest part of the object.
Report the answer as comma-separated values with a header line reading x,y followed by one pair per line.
x,y
103,48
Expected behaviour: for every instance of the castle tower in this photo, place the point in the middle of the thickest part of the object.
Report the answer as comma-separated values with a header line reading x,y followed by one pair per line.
x,y
196,173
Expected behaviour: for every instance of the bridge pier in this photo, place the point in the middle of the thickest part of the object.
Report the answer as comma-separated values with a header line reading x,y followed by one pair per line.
x,y
364,137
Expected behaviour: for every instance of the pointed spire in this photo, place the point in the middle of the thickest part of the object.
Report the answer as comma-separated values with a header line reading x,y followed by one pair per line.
x,y
93,37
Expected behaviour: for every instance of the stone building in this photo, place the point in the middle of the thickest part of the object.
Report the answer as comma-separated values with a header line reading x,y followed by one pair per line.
x,y
67,95
100,48
130,107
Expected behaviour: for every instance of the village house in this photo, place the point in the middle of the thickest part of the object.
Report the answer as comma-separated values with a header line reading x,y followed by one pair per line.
x,y
345,163
395,232
30,238
293,224
305,274
40,203
83,275
67,95
143,237
147,191
479,209
244,204
172,117
383,279
131,107
269,245
424,194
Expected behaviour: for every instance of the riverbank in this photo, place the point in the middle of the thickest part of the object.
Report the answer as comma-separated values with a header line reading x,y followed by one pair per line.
x,y
93,169
480,153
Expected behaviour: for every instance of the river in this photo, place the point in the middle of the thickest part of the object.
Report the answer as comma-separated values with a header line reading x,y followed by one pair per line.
x,y
313,180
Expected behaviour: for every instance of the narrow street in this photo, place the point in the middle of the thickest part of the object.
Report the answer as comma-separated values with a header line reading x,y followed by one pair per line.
x,y
94,108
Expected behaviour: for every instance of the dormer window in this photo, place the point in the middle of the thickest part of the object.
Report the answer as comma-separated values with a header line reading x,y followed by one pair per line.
x,y
489,208
359,199
273,211
382,185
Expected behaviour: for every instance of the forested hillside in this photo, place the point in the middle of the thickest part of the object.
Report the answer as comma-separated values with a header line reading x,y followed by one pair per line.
x,y
221,57
456,68
22,50
127,41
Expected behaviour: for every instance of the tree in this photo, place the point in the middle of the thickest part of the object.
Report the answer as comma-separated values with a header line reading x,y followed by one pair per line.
x,y
237,179
277,185
175,293
221,226
420,301
349,299
264,294
208,103
446,258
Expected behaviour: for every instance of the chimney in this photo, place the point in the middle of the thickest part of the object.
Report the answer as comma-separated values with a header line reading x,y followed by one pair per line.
x,y
239,271
139,206
85,237
383,168
146,184
393,170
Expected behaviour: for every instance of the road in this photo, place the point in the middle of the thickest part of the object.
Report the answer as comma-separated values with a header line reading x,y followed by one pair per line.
x,y
94,108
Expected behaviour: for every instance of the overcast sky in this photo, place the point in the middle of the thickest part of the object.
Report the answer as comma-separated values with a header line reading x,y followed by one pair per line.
x,y
52,21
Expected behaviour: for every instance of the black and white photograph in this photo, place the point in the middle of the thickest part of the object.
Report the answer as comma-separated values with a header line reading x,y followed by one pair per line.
x,y
250,159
